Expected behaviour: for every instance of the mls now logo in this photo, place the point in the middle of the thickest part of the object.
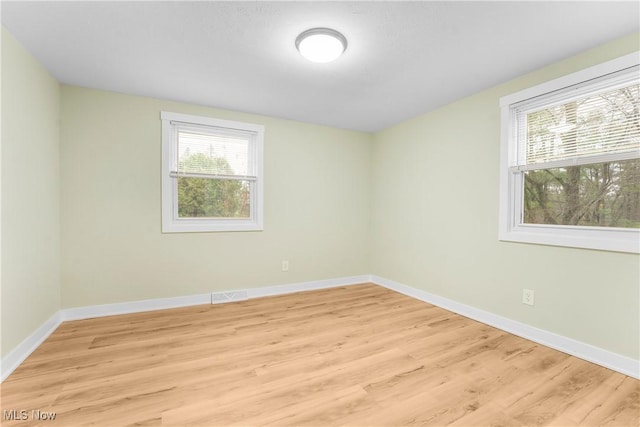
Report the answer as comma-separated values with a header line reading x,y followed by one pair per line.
x,y
23,415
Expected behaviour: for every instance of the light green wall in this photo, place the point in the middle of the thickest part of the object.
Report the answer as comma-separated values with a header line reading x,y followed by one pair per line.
x,y
30,261
317,206
435,224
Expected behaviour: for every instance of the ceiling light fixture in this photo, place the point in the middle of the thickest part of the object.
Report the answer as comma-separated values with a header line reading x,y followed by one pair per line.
x,y
321,44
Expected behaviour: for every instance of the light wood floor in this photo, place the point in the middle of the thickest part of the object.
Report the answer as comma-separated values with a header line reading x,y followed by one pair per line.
x,y
359,355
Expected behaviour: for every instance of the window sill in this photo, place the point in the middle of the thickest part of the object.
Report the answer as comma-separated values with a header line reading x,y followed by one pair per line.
x,y
206,226
612,239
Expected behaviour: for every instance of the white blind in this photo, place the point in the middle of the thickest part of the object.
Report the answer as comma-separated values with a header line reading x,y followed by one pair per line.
x,y
216,153
593,122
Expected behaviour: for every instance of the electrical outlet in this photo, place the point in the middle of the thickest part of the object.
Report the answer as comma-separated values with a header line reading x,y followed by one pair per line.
x,y
285,265
527,296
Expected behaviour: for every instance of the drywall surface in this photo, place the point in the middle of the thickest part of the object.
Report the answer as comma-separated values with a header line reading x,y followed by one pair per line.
x,y
435,224
30,194
316,198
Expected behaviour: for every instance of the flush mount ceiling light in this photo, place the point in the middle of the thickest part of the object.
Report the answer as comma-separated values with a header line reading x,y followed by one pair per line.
x,y
321,44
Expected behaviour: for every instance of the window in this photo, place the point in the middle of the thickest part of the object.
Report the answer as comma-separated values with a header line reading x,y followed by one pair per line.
x,y
570,160
211,174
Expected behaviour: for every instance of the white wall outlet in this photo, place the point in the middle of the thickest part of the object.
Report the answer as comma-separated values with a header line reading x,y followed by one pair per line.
x,y
527,296
285,265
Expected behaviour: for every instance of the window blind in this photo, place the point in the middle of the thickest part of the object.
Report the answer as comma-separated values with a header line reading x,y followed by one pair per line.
x,y
206,152
594,122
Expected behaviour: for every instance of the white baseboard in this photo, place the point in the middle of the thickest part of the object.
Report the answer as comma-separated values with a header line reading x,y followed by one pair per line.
x,y
617,362
608,359
90,311
12,360
16,356
307,286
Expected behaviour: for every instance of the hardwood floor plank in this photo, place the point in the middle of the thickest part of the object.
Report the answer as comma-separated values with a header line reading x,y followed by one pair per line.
x,y
358,355
618,400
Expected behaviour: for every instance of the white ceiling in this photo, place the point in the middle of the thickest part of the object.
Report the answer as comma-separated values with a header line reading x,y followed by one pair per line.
x,y
403,59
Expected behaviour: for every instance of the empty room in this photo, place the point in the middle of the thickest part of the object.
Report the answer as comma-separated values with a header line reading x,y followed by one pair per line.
x,y
367,213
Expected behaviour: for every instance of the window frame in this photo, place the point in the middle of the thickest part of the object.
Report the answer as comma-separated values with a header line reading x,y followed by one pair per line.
x,y
511,190
171,223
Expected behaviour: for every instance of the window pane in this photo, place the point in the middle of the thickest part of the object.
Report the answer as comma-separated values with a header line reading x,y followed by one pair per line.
x,y
213,154
595,124
601,195
213,198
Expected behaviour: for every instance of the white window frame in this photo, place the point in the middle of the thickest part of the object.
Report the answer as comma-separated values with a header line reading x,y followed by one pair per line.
x,y
511,227
171,223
